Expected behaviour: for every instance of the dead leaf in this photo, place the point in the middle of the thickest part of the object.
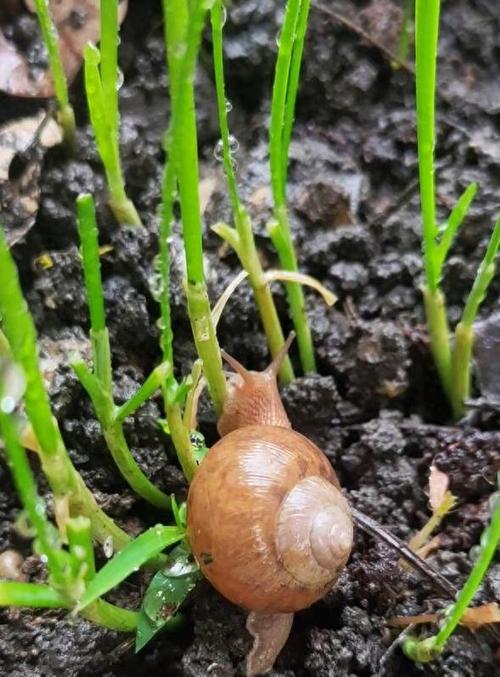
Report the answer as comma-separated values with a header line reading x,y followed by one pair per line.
x,y
429,547
25,139
481,615
438,486
77,22
473,618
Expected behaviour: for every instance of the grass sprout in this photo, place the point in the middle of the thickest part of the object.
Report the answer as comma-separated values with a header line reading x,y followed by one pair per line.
x,y
424,650
183,25
101,88
65,482
51,40
241,236
453,359
286,79
98,383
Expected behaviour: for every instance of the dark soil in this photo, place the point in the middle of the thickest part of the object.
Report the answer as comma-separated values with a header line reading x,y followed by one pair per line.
x,y
376,407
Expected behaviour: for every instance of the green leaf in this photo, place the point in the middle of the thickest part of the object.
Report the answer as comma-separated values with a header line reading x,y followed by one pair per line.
x,y
167,591
135,554
455,220
35,595
179,512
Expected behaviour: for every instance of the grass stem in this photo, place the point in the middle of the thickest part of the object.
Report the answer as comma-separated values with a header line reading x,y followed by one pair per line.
x,y
51,40
242,239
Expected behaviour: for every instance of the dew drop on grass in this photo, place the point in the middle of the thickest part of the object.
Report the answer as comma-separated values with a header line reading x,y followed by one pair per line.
x,y
234,145
229,106
119,79
13,384
219,151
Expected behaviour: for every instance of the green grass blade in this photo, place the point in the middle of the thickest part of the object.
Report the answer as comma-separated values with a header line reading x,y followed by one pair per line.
x,y
455,220
483,278
217,16
426,44
103,132
47,536
278,106
183,27
20,331
134,555
293,83
104,121
242,239
109,61
87,230
34,595
51,40
154,381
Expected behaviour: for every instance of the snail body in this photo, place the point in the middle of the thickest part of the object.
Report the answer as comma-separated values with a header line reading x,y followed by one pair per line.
x,y
267,521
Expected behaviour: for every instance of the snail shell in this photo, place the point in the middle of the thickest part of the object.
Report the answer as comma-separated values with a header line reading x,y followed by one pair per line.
x,y
267,521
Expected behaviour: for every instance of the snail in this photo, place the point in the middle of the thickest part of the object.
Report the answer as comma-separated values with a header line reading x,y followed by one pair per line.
x,y
266,519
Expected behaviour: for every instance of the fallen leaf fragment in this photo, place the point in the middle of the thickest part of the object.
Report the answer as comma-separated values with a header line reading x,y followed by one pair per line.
x,y
438,486
25,138
473,618
77,22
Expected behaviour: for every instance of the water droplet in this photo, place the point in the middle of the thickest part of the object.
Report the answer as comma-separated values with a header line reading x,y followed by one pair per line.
x,y
44,559
119,79
219,151
224,16
229,106
13,384
234,144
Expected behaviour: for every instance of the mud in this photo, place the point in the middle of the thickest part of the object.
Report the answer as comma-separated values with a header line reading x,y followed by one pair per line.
x,y
375,407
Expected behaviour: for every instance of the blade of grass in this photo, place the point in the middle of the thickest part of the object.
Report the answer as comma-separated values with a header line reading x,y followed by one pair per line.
x,y
242,239
35,595
51,40
293,82
46,534
426,45
109,61
89,247
135,554
183,26
63,478
455,220
104,123
282,111
464,332
115,439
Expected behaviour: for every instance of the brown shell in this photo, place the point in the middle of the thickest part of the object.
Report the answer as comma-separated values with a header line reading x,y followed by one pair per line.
x,y
233,506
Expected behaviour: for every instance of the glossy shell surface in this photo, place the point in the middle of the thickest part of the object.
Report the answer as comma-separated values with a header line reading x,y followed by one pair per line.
x,y
233,510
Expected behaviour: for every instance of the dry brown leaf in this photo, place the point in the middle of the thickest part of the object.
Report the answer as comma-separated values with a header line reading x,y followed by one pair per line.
x,y
473,618
425,550
77,22
20,191
481,615
438,486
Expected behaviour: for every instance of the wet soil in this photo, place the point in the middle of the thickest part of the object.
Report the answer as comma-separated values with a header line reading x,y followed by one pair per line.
x,y
376,407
